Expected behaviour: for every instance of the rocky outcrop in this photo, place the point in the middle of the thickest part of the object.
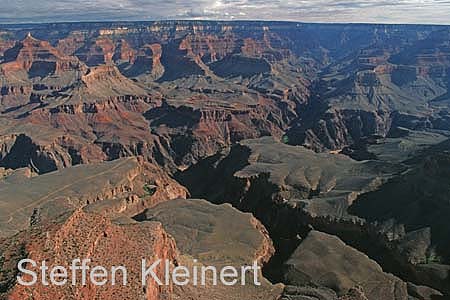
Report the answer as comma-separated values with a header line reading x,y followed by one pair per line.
x,y
209,48
100,118
377,91
145,64
423,292
38,58
19,151
111,80
71,43
325,260
5,45
100,52
337,129
292,189
124,52
212,235
31,67
268,172
110,241
101,240
70,138
202,216
194,133
127,186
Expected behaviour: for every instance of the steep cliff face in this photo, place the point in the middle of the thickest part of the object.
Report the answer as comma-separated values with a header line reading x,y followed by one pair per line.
x,y
421,236
292,190
71,43
32,67
335,129
231,55
145,63
83,212
124,52
209,48
20,150
328,98
127,186
98,118
264,172
5,45
14,93
190,133
94,237
212,234
378,90
97,52
38,58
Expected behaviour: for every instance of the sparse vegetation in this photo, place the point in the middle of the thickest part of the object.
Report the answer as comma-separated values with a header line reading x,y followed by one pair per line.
x,y
149,189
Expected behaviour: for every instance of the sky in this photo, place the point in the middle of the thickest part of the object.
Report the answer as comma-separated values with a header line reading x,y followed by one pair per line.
x,y
347,11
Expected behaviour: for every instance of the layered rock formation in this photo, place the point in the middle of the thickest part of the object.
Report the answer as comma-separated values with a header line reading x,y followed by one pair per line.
x,y
378,90
216,236
352,98
65,236
96,238
184,97
83,212
77,101
322,185
293,190
37,57
129,186
97,118
32,59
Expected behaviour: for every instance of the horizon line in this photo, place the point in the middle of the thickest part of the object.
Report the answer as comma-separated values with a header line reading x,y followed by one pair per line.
x,y
220,21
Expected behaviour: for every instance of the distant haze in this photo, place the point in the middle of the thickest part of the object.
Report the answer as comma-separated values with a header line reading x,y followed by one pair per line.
x,y
369,11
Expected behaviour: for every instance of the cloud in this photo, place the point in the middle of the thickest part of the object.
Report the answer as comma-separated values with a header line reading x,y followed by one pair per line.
x,y
373,11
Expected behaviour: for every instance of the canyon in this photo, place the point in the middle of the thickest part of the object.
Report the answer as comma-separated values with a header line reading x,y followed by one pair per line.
x,y
318,150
